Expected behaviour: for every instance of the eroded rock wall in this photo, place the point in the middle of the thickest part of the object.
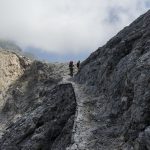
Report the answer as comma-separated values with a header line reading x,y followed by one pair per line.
x,y
119,74
37,111
49,126
11,69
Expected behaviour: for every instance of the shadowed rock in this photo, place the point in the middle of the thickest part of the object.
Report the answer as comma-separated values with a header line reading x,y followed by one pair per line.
x,y
49,126
37,111
119,74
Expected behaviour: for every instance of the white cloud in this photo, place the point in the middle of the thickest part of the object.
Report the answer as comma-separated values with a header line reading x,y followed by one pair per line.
x,y
66,26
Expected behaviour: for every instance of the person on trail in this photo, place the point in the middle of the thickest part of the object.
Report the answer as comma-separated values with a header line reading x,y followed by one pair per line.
x,y
78,64
71,68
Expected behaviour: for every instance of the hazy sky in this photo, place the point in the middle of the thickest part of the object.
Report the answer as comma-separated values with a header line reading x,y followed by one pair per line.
x,y
66,27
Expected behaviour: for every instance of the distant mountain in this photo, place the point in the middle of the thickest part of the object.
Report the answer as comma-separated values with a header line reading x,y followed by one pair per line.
x,y
9,45
13,47
29,55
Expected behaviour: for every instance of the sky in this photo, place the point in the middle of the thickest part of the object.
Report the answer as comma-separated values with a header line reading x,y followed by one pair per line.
x,y
65,29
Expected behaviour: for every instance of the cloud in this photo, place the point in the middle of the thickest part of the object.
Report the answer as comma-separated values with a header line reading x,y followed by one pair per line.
x,y
66,26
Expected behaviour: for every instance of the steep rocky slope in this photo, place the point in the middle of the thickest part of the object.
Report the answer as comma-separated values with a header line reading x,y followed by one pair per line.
x,y
37,112
48,126
118,74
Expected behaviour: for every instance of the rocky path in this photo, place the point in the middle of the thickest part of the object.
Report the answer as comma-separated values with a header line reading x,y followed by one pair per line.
x,y
84,123
84,135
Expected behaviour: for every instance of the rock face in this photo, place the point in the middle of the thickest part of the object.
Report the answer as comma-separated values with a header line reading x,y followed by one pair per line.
x,y
48,126
11,68
119,74
37,112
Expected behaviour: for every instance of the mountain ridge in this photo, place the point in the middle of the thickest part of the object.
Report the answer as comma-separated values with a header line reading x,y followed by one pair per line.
x,y
119,73
104,107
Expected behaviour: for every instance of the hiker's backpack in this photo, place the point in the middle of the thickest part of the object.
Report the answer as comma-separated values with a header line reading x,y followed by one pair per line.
x,y
78,64
70,64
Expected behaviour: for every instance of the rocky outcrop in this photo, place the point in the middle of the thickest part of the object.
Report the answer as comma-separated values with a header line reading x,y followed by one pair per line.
x,y
37,112
112,92
12,67
27,90
48,126
119,75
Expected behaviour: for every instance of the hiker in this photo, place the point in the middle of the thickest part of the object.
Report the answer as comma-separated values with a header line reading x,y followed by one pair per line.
x,y
78,64
71,68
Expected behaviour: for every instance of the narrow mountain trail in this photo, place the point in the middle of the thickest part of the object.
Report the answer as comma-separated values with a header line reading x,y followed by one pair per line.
x,y
84,136
84,123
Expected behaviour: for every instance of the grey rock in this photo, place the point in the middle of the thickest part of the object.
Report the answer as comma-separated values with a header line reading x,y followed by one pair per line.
x,y
48,126
120,70
38,112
